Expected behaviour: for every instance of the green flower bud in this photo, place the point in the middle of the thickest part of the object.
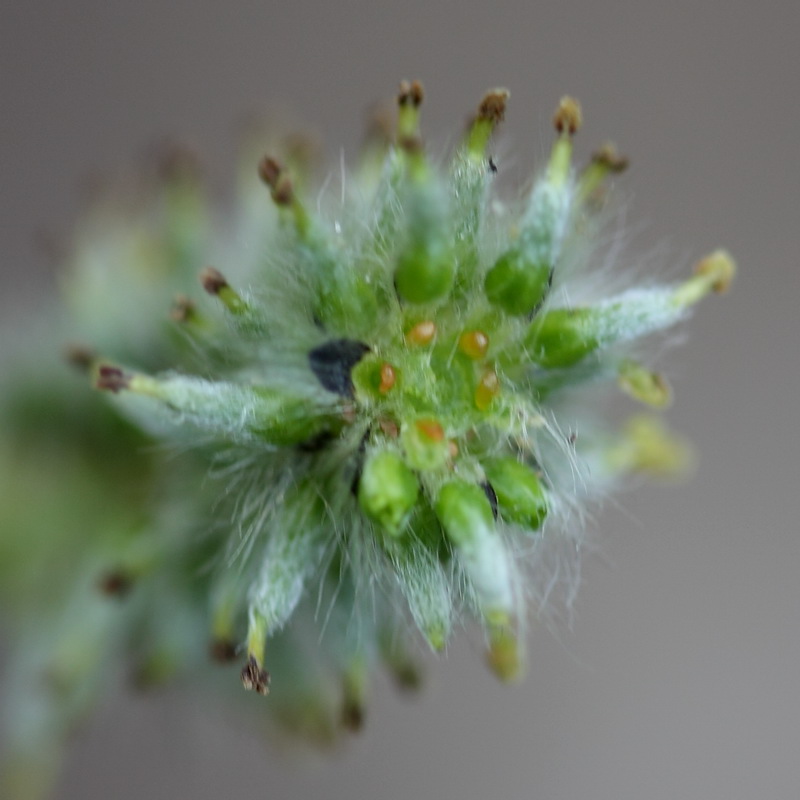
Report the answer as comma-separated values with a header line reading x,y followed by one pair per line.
x,y
425,266
520,496
562,337
424,272
425,444
516,285
466,516
387,490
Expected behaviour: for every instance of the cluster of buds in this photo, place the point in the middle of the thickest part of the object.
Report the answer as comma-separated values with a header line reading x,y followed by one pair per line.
x,y
366,412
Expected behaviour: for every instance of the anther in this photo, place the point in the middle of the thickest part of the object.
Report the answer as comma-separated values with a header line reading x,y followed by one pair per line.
x,y
568,116
275,175
213,281
430,429
609,159
410,94
254,677
493,106
490,113
473,344
115,583
488,388
388,378
112,379
422,333
216,284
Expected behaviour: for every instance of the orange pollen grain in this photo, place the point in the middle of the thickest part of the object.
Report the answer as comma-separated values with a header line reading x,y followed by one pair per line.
x,y
431,429
422,333
473,344
388,377
488,389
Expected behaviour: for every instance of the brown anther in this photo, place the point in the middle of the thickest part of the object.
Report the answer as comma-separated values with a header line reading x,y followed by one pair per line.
x,y
388,378
410,94
608,157
254,677
493,106
431,429
115,583
183,308
213,281
452,448
422,333
223,651
79,356
473,344
349,413
112,379
568,116
269,170
274,175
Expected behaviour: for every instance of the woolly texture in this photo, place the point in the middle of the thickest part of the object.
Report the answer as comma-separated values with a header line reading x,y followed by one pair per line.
x,y
352,428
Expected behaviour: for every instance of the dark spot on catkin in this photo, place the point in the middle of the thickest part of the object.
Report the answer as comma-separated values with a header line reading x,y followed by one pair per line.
x,y
332,363
491,496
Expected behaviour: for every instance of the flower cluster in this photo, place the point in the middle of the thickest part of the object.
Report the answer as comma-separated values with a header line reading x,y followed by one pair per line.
x,y
356,430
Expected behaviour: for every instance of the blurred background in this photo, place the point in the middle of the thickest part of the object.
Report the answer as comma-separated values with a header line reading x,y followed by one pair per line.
x,y
679,675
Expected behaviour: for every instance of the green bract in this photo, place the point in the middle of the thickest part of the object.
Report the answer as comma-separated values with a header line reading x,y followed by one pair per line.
x,y
354,438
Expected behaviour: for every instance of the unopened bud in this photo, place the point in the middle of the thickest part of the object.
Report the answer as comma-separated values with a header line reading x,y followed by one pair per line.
x,y
516,285
387,490
425,445
520,496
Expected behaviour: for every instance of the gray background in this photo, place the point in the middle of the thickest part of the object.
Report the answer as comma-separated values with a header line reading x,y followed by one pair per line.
x,y
679,675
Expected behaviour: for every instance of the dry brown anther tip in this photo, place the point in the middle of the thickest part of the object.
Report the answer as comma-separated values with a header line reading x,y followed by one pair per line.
x,y
493,105
270,171
112,379
115,583
79,356
608,157
223,651
254,678
568,116
410,94
283,193
212,280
